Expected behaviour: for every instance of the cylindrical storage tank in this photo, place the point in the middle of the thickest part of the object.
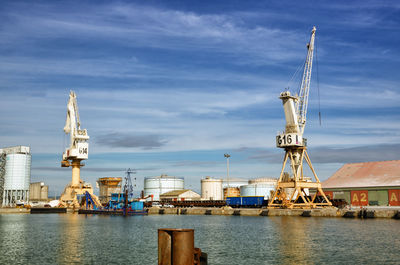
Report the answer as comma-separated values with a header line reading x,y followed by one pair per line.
x,y
18,172
231,192
258,189
263,180
234,182
211,189
158,185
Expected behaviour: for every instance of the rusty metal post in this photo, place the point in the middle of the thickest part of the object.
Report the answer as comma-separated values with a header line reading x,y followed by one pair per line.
x,y
175,246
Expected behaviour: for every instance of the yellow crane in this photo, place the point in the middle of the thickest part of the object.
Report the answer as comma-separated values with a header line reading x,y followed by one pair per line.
x,y
292,190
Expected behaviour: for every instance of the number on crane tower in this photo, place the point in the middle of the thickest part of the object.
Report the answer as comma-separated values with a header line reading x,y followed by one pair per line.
x,y
289,139
83,150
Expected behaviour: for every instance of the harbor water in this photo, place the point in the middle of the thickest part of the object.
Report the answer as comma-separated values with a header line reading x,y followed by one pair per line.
x,y
80,239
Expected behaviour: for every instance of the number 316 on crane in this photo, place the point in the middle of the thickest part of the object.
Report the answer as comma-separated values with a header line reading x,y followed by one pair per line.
x,y
290,139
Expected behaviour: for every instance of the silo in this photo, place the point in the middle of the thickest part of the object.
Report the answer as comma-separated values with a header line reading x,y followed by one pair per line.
x,y
17,175
211,189
44,193
38,191
161,184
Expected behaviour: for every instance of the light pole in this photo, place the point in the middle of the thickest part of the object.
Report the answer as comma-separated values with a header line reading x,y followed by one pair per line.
x,y
227,173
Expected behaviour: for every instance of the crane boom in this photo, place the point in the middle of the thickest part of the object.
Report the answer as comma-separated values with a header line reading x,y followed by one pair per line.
x,y
305,84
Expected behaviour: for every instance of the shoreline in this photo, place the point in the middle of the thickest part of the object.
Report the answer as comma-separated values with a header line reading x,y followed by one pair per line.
x,y
322,212
375,212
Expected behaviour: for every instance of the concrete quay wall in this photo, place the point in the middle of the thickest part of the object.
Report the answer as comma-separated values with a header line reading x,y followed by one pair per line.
x,y
14,210
325,212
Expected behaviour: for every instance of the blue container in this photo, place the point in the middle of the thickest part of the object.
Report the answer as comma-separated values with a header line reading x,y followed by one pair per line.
x,y
137,206
245,201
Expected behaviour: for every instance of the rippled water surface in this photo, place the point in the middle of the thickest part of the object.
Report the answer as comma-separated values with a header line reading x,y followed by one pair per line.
x,y
79,239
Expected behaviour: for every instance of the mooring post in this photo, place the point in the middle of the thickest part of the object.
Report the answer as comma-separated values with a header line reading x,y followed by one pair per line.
x,y
175,246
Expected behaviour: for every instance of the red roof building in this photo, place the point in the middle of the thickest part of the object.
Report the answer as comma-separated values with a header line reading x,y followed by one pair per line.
x,y
367,183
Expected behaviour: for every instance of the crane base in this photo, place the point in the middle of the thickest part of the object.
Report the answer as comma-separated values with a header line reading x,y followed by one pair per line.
x,y
294,192
69,198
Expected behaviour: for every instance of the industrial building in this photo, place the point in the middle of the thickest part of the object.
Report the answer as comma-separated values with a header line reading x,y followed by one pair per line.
x,y
180,195
368,183
161,184
107,186
15,175
38,192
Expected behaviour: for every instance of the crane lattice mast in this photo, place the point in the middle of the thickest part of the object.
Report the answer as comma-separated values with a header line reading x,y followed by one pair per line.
x,y
128,186
305,84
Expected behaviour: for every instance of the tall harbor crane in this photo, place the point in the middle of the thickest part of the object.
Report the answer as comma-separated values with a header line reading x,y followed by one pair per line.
x,y
74,154
292,189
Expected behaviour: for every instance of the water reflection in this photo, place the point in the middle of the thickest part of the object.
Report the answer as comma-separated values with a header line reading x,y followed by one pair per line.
x,y
233,240
71,239
295,244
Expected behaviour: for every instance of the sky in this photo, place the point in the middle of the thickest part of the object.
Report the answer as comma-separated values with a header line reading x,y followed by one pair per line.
x,y
169,87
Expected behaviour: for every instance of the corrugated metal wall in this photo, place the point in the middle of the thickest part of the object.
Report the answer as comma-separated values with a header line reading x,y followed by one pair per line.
x,y
342,195
378,197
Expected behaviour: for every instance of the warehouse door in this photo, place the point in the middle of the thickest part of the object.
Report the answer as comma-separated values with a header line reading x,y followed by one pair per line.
x,y
359,197
394,197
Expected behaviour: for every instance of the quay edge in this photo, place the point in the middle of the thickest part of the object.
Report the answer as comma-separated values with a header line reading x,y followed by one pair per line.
x,y
323,212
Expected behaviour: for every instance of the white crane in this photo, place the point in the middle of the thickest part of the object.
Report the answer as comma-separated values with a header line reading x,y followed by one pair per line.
x,y
295,109
79,146
73,155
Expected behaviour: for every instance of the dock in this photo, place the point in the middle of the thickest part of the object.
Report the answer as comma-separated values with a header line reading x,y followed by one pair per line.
x,y
323,212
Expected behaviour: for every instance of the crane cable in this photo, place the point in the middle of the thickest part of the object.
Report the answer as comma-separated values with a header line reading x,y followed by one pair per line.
x,y
297,72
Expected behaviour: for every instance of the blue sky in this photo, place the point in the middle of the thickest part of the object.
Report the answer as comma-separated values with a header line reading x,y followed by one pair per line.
x,y
170,86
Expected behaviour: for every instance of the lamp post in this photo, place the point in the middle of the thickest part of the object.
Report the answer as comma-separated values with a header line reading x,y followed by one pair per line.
x,y
227,172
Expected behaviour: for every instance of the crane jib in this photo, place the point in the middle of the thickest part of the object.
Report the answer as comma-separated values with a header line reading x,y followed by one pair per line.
x,y
295,107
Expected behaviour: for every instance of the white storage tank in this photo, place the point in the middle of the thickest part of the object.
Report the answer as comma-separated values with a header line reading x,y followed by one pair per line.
x,y
17,175
258,189
161,184
211,189
234,182
264,180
